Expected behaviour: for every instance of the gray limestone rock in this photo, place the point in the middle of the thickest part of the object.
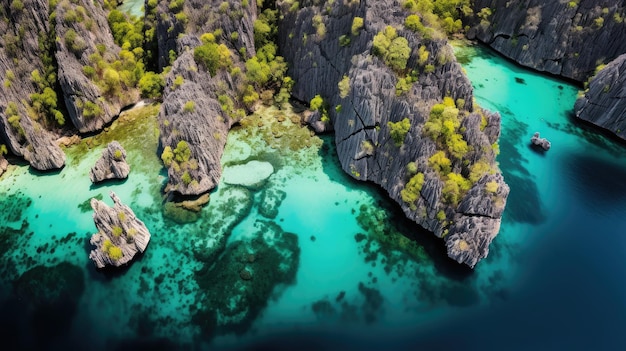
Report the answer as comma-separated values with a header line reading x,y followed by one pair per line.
x,y
111,165
19,57
203,127
362,130
4,164
191,111
541,142
121,235
566,38
89,107
604,103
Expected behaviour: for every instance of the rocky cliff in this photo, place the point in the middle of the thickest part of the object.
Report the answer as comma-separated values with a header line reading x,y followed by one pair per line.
x,y
567,38
22,129
93,96
200,106
60,66
604,103
121,235
367,109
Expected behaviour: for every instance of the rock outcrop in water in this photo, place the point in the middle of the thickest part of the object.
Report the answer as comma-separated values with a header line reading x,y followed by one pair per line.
x,y
121,235
567,38
111,165
364,116
541,142
199,107
604,103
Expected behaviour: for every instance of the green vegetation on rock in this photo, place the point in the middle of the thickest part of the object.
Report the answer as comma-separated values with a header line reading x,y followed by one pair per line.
x,y
412,189
391,48
398,130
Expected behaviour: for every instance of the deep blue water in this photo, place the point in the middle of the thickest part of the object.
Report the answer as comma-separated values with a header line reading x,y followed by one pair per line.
x,y
554,278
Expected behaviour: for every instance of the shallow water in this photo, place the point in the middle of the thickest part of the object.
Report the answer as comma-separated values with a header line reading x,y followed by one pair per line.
x,y
346,278
133,7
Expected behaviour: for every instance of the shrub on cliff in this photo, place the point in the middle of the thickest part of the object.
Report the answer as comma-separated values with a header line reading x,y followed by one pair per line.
x,y
391,48
212,56
151,85
398,130
412,189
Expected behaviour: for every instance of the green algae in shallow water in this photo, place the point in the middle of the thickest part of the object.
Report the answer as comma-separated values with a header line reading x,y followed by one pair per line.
x,y
13,207
85,206
223,213
136,130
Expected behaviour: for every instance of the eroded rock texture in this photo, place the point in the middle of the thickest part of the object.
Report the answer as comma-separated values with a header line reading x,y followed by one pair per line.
x,y
121,235
604,103
567,38
360,119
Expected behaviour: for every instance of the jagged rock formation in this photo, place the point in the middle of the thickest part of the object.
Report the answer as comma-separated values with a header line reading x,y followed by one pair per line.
x,y
321,59
191,111
604,103
539,141
111,165
567,38
49,64
120,234
88,105
20,55
4,164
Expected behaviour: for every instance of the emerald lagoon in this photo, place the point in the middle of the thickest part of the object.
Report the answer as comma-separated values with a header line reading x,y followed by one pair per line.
x,y
311,259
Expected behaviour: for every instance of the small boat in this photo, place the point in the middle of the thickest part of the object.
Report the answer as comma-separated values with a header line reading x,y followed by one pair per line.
x,y
539,141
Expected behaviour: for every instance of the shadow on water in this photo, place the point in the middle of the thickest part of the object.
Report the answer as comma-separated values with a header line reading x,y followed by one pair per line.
x,y
600,137
434,247
107,183
38,173
596,180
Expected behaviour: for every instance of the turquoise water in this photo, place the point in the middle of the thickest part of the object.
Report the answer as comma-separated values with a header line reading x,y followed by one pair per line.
x,y
133,7
311,259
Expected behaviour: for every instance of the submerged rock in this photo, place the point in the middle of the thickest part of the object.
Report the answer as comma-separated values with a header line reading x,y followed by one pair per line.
x,y
111,165
247,273
252,174
604,103
120,234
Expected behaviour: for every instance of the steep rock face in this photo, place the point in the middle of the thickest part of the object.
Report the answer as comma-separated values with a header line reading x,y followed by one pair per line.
x,y
89,106
20,54
567,38
604,103
201,16
4,164
120,234
362,133
111,165
192,112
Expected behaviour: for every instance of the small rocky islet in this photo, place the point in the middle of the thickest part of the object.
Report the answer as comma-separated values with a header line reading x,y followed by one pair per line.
x,y
386,110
